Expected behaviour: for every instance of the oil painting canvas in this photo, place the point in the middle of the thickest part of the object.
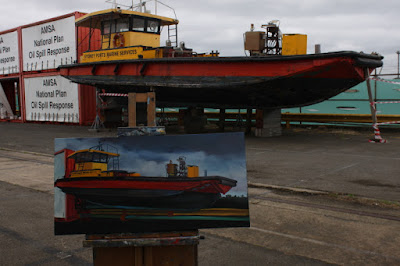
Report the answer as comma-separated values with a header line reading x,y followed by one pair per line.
x,y
150,183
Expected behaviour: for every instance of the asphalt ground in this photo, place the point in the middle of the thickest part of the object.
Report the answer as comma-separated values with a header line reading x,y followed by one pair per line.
x,y
27,231
324,159
305,208
27,238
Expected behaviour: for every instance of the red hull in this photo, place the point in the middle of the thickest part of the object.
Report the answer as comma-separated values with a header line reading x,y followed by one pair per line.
x,y
265,82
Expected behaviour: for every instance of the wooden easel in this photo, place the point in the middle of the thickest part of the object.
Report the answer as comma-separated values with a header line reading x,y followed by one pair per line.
x,y
172,248
144,249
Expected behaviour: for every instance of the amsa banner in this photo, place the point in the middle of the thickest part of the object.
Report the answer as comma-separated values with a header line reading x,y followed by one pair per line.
x,y
51,98
49,45
9,55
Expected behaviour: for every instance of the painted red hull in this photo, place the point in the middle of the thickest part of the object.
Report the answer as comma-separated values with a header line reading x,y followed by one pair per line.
x,y
212,184
150,192
234,82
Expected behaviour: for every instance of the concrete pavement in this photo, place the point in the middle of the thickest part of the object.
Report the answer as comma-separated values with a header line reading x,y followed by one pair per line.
x,y
288,227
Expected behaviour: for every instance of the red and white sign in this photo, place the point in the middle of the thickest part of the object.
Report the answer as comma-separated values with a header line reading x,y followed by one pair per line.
x,y
48,45
9,55
51,98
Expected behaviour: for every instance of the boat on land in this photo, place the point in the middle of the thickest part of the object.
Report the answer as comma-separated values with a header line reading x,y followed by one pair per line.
x,y
96,179
130,58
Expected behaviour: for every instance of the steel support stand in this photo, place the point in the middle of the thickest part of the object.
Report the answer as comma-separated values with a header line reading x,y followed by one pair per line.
x,y
97,123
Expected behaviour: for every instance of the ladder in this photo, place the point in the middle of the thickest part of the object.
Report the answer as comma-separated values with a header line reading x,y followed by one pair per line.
x,y
173,35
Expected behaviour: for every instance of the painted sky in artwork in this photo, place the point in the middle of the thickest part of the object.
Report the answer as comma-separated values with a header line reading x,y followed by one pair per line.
x,y
218,154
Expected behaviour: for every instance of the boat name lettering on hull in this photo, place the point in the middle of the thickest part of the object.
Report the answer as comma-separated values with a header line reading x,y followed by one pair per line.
x,y
128,52
111,55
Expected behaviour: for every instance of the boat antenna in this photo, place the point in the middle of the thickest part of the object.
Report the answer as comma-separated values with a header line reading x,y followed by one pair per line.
x,y
141,6
98,147
114,3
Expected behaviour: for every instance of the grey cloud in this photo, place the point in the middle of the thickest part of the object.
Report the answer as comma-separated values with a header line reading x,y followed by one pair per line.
x,y
219,25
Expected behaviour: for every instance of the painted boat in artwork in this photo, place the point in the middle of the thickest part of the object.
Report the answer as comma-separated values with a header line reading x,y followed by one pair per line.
x,y
150,192
92,180
131,59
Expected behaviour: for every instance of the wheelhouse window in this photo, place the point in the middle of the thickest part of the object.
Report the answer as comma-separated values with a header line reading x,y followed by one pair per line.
x,y
100,158
122,25
138,24
108,27
91,157
134,23
153,26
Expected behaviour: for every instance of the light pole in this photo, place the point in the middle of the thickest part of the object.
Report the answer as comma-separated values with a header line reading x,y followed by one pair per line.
x,y
398,64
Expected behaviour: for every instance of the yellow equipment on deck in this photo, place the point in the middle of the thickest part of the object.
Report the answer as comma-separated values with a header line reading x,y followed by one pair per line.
x,y
293,44
273,42
193,171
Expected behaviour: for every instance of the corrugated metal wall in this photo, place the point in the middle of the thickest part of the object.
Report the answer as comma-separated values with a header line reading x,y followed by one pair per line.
x,y
87,104
83,38
87,94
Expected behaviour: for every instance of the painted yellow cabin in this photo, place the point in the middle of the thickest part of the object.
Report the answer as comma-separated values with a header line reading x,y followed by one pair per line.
x,y
94,163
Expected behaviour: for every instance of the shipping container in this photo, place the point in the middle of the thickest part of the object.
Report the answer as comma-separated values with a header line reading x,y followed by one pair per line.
x,y
10,90
31,87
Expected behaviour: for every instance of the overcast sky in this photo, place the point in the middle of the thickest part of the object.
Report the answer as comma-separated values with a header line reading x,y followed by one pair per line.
x,y
357,25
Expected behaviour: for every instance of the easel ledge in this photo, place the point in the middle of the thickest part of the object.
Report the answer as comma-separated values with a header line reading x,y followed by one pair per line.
x,y
143,239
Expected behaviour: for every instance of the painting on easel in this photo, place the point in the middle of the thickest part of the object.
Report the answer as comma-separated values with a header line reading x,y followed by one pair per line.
x,y
150,183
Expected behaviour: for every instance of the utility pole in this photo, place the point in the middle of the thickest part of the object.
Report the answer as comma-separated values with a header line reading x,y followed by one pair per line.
x,y
398,64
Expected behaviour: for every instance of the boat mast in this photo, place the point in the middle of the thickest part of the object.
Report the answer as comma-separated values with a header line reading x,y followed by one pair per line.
x,y
140,6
